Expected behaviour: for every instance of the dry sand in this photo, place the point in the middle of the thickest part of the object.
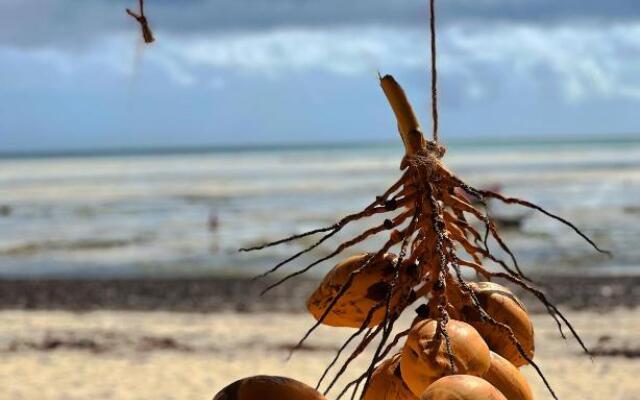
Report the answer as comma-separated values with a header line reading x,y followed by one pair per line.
x,y
126,355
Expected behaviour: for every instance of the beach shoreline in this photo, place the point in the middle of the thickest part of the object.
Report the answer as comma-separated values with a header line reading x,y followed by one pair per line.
x,y
241,294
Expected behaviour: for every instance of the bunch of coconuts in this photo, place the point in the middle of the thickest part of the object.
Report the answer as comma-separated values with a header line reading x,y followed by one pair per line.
x,y
469,338
486,362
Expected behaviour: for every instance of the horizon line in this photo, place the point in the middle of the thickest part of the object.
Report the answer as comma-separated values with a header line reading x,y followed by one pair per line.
x,y
293,145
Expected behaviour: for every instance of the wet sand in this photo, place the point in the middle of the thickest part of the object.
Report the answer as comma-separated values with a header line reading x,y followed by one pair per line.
x,y
127,355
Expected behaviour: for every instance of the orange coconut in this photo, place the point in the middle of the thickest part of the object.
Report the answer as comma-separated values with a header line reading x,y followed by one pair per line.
x,y
425,359
386,382
507,379
462,387
503,306
368,288
264,387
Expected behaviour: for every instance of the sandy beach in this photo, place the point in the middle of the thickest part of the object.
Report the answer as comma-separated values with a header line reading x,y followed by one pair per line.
x,y
129,355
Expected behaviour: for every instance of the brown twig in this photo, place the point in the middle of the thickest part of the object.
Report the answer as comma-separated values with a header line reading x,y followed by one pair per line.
x,y
147,34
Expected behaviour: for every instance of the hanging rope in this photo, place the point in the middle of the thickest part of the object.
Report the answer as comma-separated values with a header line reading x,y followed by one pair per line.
x,y
434,72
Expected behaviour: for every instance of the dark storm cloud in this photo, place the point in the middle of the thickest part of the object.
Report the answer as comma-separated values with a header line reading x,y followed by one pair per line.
x,y
73,22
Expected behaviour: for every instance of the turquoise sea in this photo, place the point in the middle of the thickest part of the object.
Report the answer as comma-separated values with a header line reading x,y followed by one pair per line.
x,y
187,211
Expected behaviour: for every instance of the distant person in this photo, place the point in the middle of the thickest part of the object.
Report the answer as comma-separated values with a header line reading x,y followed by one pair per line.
x,y
213,223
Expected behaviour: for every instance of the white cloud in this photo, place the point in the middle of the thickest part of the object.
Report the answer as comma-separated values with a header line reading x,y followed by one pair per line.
x,y
581,62
341,51
578,62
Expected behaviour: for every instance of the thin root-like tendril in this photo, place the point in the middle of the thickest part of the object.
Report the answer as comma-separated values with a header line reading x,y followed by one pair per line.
x,y
485,316
389,319
290,238
368,211
543,299
353,356
369,232
513,200
341,292
362,328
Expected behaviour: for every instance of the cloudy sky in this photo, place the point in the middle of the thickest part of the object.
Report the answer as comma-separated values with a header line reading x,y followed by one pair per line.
x,y
74,75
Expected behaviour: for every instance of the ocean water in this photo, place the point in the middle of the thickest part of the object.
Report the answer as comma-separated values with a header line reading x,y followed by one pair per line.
x,y
173,213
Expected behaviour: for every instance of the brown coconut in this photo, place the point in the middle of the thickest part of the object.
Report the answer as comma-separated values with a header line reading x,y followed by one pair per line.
x,y
368,287
386,382
425,359
503,306
462,387
507,379
264,387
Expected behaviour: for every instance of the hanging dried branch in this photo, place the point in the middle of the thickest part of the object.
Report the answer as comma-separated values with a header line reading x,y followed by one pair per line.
x,y
147,35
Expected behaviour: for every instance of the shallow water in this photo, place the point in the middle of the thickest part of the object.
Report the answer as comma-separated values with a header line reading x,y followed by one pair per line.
x,y
149,214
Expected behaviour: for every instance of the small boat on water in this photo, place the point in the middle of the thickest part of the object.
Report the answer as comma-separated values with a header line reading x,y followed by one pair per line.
x,y
503,218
